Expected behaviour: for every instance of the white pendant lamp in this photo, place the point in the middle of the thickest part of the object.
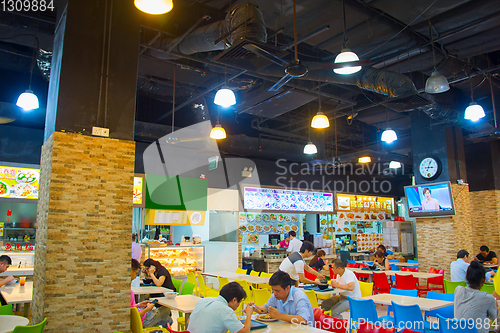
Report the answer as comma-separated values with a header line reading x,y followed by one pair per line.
x,y
436,83
389,136
346,55
310,148
320,120
395,165
27,100
474,112
218,132
154,7
225,97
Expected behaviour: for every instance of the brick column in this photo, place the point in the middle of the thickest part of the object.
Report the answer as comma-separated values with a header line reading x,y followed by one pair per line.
x,y
84,223
485,206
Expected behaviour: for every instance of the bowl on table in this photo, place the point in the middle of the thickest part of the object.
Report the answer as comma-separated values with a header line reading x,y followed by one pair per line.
x,y
170,294
323,286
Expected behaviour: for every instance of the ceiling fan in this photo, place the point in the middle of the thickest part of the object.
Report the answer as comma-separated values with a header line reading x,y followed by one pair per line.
x,y
295,68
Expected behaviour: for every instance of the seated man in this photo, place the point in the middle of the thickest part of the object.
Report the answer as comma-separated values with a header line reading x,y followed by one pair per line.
x,y
5,263
216,314
458,268
349,282
486,256
287,302
294,264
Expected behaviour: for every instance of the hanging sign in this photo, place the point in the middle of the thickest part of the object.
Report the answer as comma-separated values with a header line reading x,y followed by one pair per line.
x,y
19,183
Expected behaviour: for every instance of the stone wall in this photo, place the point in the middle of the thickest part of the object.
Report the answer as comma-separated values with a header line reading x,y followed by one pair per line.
x,y
440,238
485,212
84,224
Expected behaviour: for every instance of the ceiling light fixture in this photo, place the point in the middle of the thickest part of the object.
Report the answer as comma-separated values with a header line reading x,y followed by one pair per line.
x,y
346,55
154,7
310,148
225,96
218,132
364,159
28,100
320,120
389,135
474,111
436,83
395,165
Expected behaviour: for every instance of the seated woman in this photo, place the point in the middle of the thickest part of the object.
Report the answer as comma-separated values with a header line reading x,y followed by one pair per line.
x,y
381,261
158,275
150,316
319,262
471,302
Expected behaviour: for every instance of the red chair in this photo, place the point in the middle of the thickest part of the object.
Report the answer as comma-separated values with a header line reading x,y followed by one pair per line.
x,y
435,281
415,269
405,282
380,283
365,327
327,323
310,276
332,274
362,276
349,265
408,331
172,331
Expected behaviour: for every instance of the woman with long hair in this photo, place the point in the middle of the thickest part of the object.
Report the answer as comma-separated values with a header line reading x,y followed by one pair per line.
x,y
318,261
158,275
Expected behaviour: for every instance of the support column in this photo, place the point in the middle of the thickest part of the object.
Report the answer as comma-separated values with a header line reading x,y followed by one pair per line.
x,y
82,254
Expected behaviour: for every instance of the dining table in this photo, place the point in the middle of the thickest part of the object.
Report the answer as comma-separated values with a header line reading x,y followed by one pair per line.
x,y
232,276
143,290
182,303
420,275
9,322
17,294
425,304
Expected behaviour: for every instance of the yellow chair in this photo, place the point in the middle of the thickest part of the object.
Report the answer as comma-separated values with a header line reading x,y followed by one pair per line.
x,y
241,271
203,289
311,294
366,288
246,287
192,278
261,296
136,323
222,281
254,273
266,275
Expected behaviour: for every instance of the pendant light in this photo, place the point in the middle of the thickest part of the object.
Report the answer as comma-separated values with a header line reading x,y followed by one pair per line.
x,y
436,83
28,100
154,7
474,111
364,159
310,148
225,96
320,120
172,139
389,135
394,165
345,54
218,132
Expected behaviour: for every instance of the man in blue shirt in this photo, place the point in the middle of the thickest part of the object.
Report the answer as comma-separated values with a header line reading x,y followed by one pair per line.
x,y
458,268
287,303
216,314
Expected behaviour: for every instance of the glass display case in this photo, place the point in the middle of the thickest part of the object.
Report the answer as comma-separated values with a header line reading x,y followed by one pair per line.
x,y
179,260
17,237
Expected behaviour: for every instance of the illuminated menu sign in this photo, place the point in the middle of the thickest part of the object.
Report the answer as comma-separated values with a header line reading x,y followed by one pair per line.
x,y
138,185
19,183
287,200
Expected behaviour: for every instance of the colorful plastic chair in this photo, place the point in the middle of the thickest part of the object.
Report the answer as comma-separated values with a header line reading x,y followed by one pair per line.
x,y
169,329
405,282
447,325
254,273
449,286
266,275
488,288
222,281
203,289
177,284
351,261
329,324
6,310
380,283
136,323
241,271
192,279
246,287
409,315
311,294
349,265
362,276
365,310
393,260
369,327
187,288
38,328
309,276
413,261
261,296
402,292
366,288
447,311
438,280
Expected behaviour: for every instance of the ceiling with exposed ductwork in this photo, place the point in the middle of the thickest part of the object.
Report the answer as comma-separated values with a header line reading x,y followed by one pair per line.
x,y
206,41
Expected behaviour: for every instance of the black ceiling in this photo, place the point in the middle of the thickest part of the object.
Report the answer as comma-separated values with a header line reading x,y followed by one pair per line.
x,y
393,35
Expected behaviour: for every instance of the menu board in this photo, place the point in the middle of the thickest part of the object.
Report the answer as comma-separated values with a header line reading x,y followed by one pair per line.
x,y
137,191
1,229
19,183
287,200
369,242
364,204
251,225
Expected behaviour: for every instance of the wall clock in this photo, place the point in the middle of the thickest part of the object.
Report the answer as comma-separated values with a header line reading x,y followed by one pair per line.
x,y
430,168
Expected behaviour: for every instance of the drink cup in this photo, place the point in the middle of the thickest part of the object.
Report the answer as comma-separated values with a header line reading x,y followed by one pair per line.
x,y
22,280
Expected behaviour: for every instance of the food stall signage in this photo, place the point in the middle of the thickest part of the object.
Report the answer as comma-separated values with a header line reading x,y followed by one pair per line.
x,y
1,229
18,247
287,200
357,204
19,183
137,191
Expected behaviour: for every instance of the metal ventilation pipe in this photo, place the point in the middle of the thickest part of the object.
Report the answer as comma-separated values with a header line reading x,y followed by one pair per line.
x,y
242,21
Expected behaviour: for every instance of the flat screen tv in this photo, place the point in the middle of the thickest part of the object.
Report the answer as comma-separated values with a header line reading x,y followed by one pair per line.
x,y
430,200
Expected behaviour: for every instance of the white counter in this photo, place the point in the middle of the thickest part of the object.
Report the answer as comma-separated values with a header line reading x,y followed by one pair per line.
x,y
28,271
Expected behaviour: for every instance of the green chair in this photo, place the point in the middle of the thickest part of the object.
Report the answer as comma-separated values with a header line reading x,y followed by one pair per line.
x,y
488,288
187,288
177,284
38,328
449,286
6,310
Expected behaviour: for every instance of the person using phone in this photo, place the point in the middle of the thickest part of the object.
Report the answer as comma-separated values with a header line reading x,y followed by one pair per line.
x,y
150,315
5,263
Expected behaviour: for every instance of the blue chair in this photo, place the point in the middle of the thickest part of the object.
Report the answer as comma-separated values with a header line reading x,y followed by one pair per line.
x,y
351,261
410,317
447,325
393,260
393,268
413,261
447,311
365,310
395,291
